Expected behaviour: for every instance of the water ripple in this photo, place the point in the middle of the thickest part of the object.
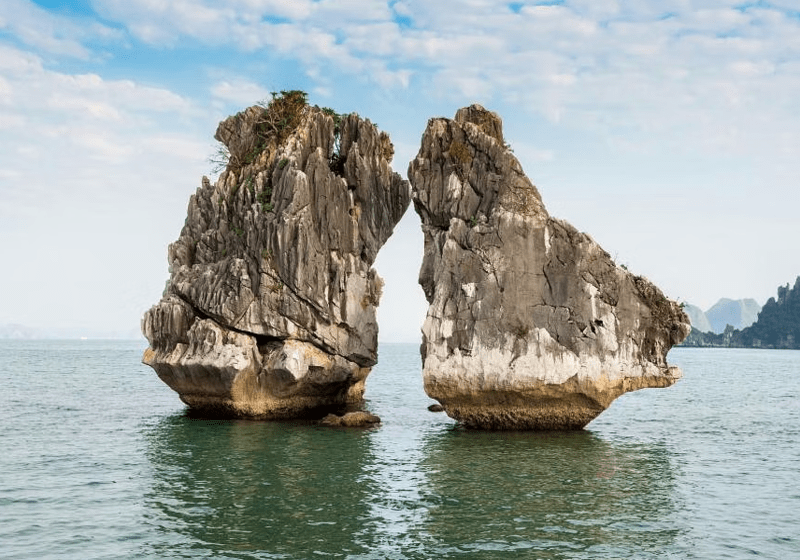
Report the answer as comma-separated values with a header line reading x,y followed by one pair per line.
x,y
101,461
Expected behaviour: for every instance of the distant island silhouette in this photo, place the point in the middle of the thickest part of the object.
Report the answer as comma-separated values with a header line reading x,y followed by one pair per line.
x,y
740,313
777,326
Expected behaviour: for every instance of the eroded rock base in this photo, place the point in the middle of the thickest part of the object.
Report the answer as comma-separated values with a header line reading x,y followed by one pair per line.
x,y
256,407
226,374
568,406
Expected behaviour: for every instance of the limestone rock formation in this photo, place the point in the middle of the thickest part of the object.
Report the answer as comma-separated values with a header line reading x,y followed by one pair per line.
x,y
269,311
354,419
531,324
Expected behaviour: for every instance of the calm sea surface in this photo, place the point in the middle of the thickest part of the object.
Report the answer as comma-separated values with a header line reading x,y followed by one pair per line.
x,y
99,460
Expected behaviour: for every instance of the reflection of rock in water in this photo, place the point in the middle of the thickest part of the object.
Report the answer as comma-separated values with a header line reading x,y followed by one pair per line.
x,y
554,493
288,490
278,488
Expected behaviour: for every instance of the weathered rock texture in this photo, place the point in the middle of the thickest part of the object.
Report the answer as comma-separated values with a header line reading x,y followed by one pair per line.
x,y
269,311
355,419
531,324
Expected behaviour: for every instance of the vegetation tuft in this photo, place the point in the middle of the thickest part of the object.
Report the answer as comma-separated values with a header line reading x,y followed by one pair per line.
x,y
521,331
282,114
278,119
336,161
219,159
460,152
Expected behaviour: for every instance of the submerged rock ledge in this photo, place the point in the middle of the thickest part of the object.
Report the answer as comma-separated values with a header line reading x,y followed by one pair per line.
x,y
269,311
531,324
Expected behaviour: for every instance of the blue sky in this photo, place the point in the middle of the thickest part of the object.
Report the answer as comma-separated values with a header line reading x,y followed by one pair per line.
x,y
669,131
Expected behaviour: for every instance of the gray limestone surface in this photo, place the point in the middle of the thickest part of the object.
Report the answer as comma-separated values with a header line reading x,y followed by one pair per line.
x,y
531,324
269,311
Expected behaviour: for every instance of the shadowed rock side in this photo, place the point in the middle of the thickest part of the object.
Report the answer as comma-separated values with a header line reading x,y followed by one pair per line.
x,y
269,311
531,325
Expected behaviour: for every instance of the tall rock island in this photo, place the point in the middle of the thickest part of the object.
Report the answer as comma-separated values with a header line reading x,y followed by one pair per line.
x,y
269,311
531,324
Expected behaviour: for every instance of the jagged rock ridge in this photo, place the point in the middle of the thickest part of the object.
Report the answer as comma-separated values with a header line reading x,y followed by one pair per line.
x,y
269,311
531,324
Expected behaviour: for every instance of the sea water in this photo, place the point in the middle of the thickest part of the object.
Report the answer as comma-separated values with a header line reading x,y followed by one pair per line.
x,y
98,459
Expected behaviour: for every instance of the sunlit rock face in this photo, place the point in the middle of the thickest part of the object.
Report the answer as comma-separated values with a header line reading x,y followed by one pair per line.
x,y
531,324
270,309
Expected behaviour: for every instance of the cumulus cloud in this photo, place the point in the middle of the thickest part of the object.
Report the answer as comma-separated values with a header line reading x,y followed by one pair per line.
x,y
68,117
641,65
698,71
60,35
95,175
239,92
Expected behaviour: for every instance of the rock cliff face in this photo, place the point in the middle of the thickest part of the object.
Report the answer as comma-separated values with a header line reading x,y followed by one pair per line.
x,y
531,324
269,311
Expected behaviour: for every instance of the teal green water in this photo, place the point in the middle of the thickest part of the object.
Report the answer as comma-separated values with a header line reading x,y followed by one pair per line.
x,y
99,460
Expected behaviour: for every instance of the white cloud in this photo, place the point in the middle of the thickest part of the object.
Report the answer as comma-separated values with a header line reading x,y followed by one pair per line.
x,y
99,145
527,152
175,147
87,107
679,66
680,75
242,93
344,12
557,20
10,121
14,60
598,10
94,185
163,22
5,91
361,38
296,9
55,34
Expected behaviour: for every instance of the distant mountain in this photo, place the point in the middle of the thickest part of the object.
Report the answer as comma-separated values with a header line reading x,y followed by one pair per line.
x,y
778,326
23,332
739,313
16,331
697,318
